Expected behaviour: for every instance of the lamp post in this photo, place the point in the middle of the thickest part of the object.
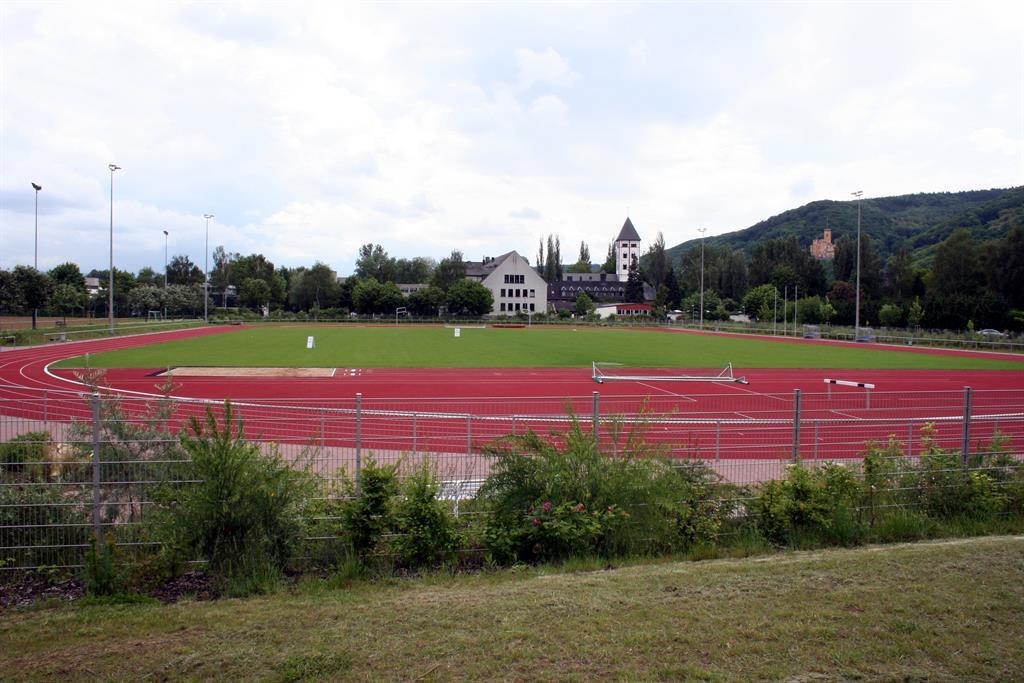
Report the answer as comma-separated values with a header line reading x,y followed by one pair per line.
x,y
702,231
166,271
206,271
856,306
110,275
35,258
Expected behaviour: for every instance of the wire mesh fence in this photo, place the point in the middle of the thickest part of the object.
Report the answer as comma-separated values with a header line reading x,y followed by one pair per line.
x,y
74,466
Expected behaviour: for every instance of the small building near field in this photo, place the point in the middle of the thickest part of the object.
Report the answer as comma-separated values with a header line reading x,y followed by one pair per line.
x,y
625,310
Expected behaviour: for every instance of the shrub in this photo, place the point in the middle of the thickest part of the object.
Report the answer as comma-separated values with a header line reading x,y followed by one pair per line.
x,y
367,514
101,574
424,524
547,502
809,504
945,488
880,487
243,509
57,525
18,455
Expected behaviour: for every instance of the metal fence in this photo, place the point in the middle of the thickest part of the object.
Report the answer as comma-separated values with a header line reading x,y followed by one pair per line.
x,y
98,456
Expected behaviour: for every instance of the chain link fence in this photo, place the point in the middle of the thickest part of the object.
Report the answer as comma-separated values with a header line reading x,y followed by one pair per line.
x,y
76,465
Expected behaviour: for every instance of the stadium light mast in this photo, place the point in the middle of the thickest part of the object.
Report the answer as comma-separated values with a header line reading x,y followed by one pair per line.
x,y
206,271
166,271
856,306
702,231
35,257
110,275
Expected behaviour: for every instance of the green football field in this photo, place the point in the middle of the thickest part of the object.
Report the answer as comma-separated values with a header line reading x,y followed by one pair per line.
x,y
536,347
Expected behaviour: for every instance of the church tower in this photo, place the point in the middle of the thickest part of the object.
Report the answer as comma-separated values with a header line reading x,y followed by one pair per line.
x,y
627,247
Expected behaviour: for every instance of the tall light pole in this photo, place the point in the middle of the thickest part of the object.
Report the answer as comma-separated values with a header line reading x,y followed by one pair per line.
x,y
35,258
166,270
206,271
110,275
856,306
165,260
702,231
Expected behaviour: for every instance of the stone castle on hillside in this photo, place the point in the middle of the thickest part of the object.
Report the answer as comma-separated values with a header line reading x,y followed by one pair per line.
x,y
823,248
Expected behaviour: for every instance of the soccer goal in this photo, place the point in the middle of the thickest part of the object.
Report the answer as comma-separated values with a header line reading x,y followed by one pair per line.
x,y
607,372
154,316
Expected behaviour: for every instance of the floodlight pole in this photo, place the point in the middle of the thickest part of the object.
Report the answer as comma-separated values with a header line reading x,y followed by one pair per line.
x,y
35,258
35,255
206,271
702,231
166,271
775,314
110,275
856,306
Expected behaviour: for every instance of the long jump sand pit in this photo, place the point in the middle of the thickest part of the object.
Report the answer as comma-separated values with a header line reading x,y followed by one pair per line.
x,y
247,372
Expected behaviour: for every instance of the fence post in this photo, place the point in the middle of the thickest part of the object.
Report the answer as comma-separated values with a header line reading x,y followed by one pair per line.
x,y
817,423
796,425
96,466
910,439
359,440
596,415
415,451
965,451
46,411
469,434
323,442
718,440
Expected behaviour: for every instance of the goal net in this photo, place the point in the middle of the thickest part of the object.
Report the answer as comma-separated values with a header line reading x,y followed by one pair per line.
x,y
607,372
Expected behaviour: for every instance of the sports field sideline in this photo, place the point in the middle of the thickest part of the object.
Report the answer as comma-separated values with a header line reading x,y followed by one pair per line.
x,y
438,347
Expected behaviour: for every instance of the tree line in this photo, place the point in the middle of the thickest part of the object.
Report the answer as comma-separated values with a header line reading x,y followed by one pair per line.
x,y
250,282
969,283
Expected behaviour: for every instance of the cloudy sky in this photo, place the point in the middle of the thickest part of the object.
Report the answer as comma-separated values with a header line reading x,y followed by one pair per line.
x,y
308,129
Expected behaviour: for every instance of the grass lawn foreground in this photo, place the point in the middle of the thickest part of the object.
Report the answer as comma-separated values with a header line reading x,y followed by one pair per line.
x,y
436,347
936,610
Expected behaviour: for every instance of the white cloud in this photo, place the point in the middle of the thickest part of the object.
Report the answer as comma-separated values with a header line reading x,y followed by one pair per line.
x,y
544,68
996,141
311,130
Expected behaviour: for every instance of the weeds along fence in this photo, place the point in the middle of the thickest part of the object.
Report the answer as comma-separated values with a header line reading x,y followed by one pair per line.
x,y
76,465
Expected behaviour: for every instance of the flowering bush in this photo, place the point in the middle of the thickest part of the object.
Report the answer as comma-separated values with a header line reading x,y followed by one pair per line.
x,y
568,529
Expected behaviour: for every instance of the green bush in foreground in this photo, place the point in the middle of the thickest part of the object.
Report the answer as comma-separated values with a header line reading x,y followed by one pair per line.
x,y
546,502
420,528
23,453
243,513
425,527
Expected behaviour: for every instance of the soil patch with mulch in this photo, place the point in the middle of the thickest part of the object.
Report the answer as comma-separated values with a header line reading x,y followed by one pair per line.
x,y
30,588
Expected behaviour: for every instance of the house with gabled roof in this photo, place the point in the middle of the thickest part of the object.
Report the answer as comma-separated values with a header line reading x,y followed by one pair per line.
x,y
515,285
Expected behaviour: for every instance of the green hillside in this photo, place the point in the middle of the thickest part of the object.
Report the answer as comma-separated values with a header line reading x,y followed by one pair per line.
x,y
915,221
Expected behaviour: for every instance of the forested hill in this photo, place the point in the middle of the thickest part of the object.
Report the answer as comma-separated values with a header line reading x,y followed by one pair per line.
x,y
917,222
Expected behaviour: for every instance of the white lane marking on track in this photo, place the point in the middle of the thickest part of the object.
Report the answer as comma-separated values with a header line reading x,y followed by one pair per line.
x,y
743,415
839,412
733,385
670,393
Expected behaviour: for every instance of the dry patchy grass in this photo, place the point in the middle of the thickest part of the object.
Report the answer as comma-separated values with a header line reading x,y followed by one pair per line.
x,y
929,610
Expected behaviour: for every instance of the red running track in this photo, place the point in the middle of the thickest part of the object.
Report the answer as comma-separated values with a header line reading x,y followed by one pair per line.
x,y
739,418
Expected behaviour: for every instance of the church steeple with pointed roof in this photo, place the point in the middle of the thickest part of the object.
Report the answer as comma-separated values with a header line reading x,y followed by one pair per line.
x,y
627,247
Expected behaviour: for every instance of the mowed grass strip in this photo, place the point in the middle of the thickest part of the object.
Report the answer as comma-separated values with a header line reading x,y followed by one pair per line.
x,y
943,610
437,347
